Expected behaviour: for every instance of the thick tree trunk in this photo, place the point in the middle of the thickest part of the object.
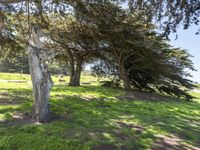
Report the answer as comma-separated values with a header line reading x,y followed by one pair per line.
x,y
75,74
78,73
41,80
124,76
72,73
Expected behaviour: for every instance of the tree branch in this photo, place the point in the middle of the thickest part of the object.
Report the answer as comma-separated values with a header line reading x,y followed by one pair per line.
x,y
10,1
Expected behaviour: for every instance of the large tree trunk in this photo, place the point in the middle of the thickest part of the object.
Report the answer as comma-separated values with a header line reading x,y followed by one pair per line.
x,y
124,76
123,72
41,79
75,74
72,73
78,73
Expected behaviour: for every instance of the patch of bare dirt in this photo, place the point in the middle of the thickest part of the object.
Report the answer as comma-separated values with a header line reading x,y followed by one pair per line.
x,y
88,97
138,95
18,119
172,142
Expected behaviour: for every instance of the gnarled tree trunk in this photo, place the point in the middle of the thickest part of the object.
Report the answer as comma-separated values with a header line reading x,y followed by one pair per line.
x,y
124,76
41,79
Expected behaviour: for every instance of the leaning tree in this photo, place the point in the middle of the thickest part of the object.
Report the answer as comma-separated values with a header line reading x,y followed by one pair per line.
x,y
143,57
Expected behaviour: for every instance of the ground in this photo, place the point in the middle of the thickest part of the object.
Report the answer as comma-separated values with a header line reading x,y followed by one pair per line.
x,y
92,117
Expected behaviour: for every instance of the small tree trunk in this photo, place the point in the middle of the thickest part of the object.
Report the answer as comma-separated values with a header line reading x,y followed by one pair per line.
x,y
41,80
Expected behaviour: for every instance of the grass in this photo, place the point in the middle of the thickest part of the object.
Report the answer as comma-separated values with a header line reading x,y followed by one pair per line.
x,y
55,78
91,117
14,76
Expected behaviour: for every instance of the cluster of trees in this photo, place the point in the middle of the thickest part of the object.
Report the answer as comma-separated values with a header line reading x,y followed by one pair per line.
x,y
120,37
19,64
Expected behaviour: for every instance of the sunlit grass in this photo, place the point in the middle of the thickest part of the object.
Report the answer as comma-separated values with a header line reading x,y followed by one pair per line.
x,y
91,116
26,77
14,76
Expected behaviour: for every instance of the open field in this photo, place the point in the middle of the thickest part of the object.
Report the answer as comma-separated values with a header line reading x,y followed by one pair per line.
x,y
26,77
92,117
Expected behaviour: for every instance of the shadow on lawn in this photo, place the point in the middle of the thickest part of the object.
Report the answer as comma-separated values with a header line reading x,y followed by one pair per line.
x,y
101,122
134,124
15,100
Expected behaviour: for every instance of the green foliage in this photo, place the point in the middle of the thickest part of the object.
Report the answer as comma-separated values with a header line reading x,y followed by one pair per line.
x,y
138,54
101,70
17,64
112,83
181,12
165,72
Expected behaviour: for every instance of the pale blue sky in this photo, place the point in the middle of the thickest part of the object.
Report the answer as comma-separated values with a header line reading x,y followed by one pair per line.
x,y
187,39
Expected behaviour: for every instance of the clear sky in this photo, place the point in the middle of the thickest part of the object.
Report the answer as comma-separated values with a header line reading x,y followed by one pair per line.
x,y
187,39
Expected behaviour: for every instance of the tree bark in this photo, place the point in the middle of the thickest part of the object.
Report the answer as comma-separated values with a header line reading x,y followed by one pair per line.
x,y
41,79
75,74
78,73
72,73
123,72
124,76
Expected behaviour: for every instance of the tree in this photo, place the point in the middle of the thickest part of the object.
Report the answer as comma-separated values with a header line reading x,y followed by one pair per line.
x,y
181,11
117,33
37,57
41,79
141,55
17,64
77,39
168,14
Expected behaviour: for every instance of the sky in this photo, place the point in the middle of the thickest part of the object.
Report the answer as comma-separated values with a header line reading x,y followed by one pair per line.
x,y
187,39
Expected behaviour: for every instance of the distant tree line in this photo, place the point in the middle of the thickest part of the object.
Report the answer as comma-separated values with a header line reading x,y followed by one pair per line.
x,y
19,65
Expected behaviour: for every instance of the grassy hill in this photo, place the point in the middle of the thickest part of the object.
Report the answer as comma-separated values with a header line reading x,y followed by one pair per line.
x,y
93,117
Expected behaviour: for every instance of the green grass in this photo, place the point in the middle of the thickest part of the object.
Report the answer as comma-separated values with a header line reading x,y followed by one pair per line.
x,y
55,78
91,117
14,76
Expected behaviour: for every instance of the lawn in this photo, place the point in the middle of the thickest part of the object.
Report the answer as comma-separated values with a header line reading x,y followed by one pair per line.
x,y
92,117
55,78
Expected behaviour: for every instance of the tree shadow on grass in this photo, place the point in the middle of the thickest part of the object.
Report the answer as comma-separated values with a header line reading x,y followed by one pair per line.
x,y
14,100
14,96
102,122
179,118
